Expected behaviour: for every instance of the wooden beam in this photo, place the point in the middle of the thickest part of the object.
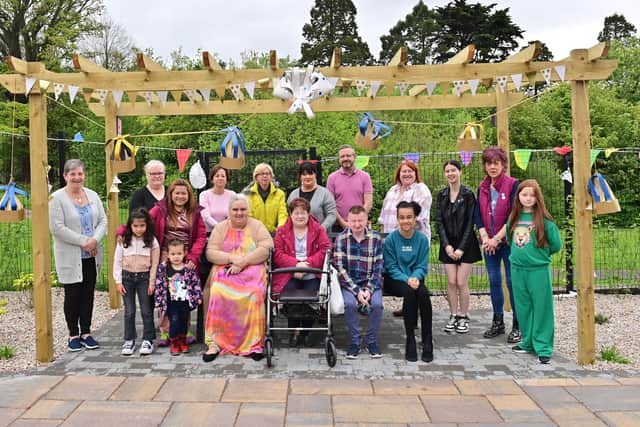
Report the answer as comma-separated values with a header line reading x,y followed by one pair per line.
x,y
41,251
111,130
583,218
148,64
273,59
209,61
400,58
336,58
83,64
601,50
528,54
320,105
465,56
17,65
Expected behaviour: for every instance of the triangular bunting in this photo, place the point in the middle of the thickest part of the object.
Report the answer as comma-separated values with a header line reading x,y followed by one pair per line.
x,y
78,137
362,162
102,95
87,92
430,87
517,80
413,157
191,95
563,151
44,85
183,156
333,81
458,86
473,85
250,87
522,158
403,86
57,90
466,157
593,155
220,90
162,95
609,151
206,94
236,91
566,176
546,73
375,87
73,91
148,97
117,97
560,69
502,83
177,96
360,85
28,84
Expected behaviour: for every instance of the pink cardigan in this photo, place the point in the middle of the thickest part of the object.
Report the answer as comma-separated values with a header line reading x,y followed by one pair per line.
x,y
284,254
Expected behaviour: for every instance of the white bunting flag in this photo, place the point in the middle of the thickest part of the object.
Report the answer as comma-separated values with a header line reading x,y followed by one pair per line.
x,y
206,94
560,69
236,91
117,96
458,86
566,176
102,95
517,80
162,95
546,73
333,81
403,86
502,83
148,97
28,84
375,87
191,95
431,87
473,85
250,87
73,91
360,85
57,90
44,85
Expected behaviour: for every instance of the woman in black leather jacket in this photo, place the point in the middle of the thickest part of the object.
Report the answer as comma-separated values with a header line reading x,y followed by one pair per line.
x,y
459,247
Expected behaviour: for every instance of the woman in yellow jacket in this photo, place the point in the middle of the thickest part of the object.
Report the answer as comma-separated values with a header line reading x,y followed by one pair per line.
x,y
267,203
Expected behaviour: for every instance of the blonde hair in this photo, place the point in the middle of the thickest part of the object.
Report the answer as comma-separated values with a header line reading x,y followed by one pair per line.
x,y
260,168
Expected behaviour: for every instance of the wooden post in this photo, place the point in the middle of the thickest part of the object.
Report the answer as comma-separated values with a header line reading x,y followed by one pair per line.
x,y
584,219
502,123
40,226
110,130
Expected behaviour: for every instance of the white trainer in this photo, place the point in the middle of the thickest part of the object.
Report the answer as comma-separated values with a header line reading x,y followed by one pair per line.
x,y
146,348
128,348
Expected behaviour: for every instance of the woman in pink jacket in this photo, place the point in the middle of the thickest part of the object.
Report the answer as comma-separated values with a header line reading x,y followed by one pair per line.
x,y
300,242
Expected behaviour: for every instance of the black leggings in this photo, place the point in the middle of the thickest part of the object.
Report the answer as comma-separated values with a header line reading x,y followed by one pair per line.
x,y
78,300
412,301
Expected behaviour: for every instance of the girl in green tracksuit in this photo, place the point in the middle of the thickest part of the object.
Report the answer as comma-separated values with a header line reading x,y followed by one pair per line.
x,y
533,237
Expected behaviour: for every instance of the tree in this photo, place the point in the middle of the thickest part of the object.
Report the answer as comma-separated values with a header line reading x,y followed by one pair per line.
x,y
254,59
45,30
416,32
109,46
616,27
626,78
333,24
460,24
545,54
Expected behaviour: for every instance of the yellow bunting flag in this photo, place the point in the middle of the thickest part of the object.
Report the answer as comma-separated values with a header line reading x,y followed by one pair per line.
x,y
362,162
522,158
610,151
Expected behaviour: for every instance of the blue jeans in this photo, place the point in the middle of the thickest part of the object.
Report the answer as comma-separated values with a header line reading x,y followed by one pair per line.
x,y
495,278
353,321
137,284
178,314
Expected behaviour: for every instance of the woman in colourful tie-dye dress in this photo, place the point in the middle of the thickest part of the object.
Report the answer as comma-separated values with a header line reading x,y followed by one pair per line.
x,y
238,248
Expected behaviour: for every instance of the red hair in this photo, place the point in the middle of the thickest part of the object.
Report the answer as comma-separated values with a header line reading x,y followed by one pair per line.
x,y
411,165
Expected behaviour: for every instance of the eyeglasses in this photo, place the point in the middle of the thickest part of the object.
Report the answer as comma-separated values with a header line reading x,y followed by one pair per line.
x,y
263,174
156,173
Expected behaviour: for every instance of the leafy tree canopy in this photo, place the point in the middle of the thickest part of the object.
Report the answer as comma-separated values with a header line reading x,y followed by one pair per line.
x,y
416,32
616,27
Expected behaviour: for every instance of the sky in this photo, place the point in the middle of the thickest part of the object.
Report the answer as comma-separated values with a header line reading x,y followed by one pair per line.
x,y
230,27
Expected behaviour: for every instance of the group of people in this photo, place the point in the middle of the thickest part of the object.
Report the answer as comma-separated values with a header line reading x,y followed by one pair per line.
x,y
176,253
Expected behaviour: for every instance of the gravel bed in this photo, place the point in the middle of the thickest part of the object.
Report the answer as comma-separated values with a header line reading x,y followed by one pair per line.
x,y
17,326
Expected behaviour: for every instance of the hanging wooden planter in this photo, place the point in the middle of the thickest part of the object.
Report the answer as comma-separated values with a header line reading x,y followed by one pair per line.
x,y
370,132
470,139
122,154
11,209
232,149
604,201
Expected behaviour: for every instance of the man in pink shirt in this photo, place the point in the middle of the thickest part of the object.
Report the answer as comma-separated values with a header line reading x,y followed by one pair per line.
x,y
350,186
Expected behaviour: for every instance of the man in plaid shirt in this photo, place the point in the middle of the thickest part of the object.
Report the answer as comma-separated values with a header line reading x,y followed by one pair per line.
x,y
357,256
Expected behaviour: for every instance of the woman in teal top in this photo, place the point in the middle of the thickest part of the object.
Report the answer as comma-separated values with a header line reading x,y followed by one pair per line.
x,y
533,237
406,262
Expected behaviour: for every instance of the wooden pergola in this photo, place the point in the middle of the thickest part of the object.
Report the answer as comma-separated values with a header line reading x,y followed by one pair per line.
x,y
579,68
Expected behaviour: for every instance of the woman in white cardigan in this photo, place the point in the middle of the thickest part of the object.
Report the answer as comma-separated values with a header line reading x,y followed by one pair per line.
x,y
77,222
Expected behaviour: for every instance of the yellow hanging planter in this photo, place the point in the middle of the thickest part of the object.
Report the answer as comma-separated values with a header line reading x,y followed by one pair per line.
x,y
471,138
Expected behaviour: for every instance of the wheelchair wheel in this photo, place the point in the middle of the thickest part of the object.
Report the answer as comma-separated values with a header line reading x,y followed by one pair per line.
x,y
268,351
330,352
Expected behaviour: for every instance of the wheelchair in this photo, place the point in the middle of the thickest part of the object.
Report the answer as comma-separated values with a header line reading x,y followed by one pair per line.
x,y
301,298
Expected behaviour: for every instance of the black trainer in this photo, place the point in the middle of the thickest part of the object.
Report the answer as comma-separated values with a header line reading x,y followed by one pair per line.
x,y
497,327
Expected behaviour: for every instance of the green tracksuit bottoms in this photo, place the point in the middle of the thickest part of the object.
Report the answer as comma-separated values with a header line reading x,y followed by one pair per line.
x,y
533,296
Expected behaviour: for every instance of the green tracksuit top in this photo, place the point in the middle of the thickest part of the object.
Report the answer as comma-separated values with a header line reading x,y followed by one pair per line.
x,y
524,252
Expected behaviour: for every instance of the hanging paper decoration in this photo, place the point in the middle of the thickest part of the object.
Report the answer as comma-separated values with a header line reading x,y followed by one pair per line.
x,y
28,84
604,201
44,85
11,209
566,176
148,97
191,95
412,157
114,184
117,97
609,151
122,154
250,87
560,69
593,154
163,95
563,151
183,156
73,91
375,87
206,93
78,137
403,86
57,90
236,91
333,81
233,148
303,87
471,138
370,132
546,73
473,85
522,158
517,80
102,95
197,177
458,87
466,157
502,83
361,162
360,85
430,87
